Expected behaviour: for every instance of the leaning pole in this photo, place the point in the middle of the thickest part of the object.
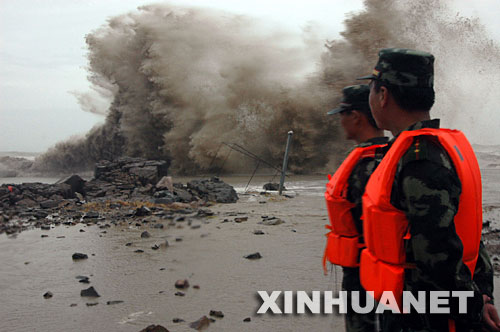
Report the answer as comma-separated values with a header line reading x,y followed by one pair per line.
x,y
285,161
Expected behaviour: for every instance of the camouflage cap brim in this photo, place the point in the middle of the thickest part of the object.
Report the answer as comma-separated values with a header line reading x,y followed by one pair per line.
x,y
368,77
336,110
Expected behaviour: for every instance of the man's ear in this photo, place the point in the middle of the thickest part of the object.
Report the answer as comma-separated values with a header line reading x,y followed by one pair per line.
x,y
356,115
383,96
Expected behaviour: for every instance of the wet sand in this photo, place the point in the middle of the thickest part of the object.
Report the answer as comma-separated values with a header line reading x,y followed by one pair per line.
x,y
210,256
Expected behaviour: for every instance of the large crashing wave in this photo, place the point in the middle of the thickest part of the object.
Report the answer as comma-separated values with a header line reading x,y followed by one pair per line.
x,y
183,81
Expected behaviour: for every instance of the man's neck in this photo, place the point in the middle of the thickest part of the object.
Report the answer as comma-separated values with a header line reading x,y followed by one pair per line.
x,y
367,134
406,119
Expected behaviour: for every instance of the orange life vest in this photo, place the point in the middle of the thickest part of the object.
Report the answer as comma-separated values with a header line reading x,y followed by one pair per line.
x,y
342,246
386,228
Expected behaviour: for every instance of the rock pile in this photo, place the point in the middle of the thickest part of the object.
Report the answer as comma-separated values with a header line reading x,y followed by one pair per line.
x,y
132,180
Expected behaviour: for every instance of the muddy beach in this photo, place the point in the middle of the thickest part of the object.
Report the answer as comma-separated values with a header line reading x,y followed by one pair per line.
x,y
135,273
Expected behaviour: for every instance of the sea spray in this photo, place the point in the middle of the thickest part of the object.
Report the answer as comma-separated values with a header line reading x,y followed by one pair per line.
x,y
182,81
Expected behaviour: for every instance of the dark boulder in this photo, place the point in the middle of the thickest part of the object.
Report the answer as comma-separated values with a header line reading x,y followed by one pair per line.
x,y
77,256
200,324
76,183
89,292
154,328
272,186
213,190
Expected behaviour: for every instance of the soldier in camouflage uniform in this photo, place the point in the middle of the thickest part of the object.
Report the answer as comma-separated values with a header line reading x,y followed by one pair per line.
x,y
358,125
427,188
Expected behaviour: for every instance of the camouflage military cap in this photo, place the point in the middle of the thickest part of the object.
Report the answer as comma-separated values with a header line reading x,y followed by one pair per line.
x,y
354,97
404,67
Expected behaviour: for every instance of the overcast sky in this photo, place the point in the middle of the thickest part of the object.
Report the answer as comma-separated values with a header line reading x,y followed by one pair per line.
x,y
42,55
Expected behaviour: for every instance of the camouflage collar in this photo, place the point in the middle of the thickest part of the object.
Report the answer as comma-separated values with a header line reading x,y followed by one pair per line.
x,y
434,123
373,141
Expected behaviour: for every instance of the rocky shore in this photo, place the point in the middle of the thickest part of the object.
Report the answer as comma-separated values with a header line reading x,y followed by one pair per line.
x,y
121,191
134,250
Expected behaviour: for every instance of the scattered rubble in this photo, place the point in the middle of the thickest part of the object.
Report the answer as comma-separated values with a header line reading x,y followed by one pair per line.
x,y
89,292
154,328
125,188
200,324
256,255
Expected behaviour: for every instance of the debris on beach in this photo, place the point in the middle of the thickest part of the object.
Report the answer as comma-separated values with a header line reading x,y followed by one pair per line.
x,y
89,292
216,313
272,186
78,256
270,221
154,328
200,324
127,188
240,219
48,295
182,284
256,255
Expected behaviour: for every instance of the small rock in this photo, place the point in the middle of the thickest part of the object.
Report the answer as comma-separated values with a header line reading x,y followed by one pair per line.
x,y
154,328
179,294
92,304
45,235
49,204
216,313
248,319
200,324
145,235
139,250
196,286
82,231
77,256
142,211
271,221
89,292
155,247
182,284
272,186
113,302
48,295
91,215
73,305
128,244
45,227
253,256
195,226
178,320
294,230
84,280
258,232
178,239
240,219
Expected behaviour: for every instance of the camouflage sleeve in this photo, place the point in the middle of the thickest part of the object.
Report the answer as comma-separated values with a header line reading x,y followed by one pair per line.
x,y
356,187
483,273
429,196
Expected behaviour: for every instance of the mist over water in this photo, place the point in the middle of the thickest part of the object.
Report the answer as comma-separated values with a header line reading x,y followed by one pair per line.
x,y
181,81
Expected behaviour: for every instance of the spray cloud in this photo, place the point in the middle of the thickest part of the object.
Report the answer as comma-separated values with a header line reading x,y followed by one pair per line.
x,y
184,80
